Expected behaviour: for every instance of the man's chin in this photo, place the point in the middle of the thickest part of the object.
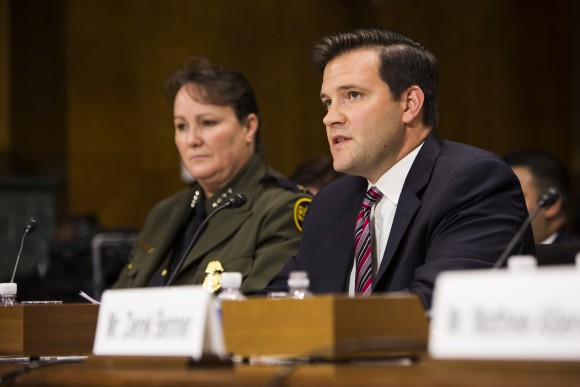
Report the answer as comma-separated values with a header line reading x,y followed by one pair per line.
x,y
338,166
342,167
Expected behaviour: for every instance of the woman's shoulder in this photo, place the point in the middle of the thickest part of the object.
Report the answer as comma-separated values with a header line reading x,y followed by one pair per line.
x,y
278,191
273,181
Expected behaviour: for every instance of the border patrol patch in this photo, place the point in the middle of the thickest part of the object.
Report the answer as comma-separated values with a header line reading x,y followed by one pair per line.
x,y
300,208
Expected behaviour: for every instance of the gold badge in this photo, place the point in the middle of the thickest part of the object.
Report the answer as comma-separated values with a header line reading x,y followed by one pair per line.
x,y
300,211
213,279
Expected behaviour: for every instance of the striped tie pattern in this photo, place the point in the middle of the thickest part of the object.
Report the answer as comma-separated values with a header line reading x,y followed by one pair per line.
x,y
362,244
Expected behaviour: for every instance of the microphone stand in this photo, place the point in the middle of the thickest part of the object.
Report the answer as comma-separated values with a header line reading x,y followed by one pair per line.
x,y
546,200
30,226
517,237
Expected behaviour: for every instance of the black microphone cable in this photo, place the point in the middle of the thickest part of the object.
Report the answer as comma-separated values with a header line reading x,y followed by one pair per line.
x,y
235,201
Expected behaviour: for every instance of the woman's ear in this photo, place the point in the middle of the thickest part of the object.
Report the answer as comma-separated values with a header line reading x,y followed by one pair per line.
x,y
413,99
251,127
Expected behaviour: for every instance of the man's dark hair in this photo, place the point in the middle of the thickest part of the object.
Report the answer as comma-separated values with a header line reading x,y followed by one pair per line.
x,y
403,62
547,170
217,86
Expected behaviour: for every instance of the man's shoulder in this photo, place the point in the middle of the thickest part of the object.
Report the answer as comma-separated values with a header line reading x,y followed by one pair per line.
x,y
341,194
457,149
461,165
449,157
458,155
344,184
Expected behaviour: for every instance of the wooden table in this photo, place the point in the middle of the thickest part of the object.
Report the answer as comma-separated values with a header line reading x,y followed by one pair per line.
x,y
160,372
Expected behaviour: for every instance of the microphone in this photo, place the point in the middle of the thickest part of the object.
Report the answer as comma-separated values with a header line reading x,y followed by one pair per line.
x,y
30,226
234,201
548,198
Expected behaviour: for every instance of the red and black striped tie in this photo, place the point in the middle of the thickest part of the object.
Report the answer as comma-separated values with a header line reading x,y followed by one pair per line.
x,y
362,244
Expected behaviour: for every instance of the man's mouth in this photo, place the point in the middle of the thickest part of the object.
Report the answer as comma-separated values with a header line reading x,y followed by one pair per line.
x,y
340,139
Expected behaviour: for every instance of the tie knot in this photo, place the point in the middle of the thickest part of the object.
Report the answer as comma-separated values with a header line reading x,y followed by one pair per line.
x,y
373,195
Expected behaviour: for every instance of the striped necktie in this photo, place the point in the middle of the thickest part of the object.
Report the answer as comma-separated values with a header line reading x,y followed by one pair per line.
x,y
362,244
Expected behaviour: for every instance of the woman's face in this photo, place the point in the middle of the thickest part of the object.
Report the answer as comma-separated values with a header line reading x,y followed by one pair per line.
x,y
212,143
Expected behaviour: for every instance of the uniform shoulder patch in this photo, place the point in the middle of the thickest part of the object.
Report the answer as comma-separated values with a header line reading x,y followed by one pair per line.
x,y
300,208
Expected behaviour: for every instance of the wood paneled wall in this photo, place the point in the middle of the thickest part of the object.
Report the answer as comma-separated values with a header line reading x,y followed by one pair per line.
x,y
506,68
5,140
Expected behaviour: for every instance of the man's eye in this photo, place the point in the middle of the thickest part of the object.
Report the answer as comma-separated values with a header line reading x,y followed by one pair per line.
x,y
208,122
354,94
326,103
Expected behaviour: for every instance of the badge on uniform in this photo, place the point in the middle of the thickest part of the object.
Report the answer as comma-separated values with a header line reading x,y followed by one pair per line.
x,y
300,208
213,279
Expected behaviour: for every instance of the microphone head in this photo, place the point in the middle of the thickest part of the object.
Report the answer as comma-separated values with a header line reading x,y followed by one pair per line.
x,y
236,200
30,225
549,197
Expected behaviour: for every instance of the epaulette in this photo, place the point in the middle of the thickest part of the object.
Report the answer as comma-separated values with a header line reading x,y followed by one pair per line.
x,y
284,182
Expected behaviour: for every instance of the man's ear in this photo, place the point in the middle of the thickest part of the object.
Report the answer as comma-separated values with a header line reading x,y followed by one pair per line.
x,y
554,210
413,99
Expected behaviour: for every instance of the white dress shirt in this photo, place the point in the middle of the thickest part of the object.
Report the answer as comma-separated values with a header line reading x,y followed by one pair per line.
x,y
383,212
549,240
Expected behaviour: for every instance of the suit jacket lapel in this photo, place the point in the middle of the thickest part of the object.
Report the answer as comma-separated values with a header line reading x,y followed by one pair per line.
x,y
410,199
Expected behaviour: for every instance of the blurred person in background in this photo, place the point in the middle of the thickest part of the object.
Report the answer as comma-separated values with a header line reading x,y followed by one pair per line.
x,y
538,171
315,173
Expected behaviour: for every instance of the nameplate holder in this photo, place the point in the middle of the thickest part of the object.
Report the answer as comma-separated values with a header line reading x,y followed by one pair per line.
x,y
501,314
171,321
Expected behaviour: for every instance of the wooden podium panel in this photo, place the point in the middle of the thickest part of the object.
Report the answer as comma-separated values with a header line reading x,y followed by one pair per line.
x,y
326,326
48,330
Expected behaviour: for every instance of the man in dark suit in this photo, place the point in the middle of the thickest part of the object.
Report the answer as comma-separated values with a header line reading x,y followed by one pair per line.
x,y
431,205
537,171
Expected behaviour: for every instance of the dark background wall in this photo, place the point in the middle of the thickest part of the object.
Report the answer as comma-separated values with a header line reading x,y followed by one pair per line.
x,y
81,83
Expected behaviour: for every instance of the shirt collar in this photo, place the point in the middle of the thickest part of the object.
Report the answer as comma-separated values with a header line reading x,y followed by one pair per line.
x,y
550,239
391,183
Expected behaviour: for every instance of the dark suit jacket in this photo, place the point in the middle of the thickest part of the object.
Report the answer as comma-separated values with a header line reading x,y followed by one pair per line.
x,y
458,209
563,253
565,237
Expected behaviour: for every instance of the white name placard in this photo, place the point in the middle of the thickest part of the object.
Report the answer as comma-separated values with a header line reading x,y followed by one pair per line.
x,y
498,314
172,321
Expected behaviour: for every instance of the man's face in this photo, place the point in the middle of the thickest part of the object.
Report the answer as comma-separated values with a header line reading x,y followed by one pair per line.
x,y
363,121
526,179
532,194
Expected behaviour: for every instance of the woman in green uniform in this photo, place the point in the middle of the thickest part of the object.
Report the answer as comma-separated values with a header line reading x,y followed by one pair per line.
x,y
217,122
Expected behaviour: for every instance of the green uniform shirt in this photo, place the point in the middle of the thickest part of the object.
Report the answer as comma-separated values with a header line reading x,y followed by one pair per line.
x,y
256,239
